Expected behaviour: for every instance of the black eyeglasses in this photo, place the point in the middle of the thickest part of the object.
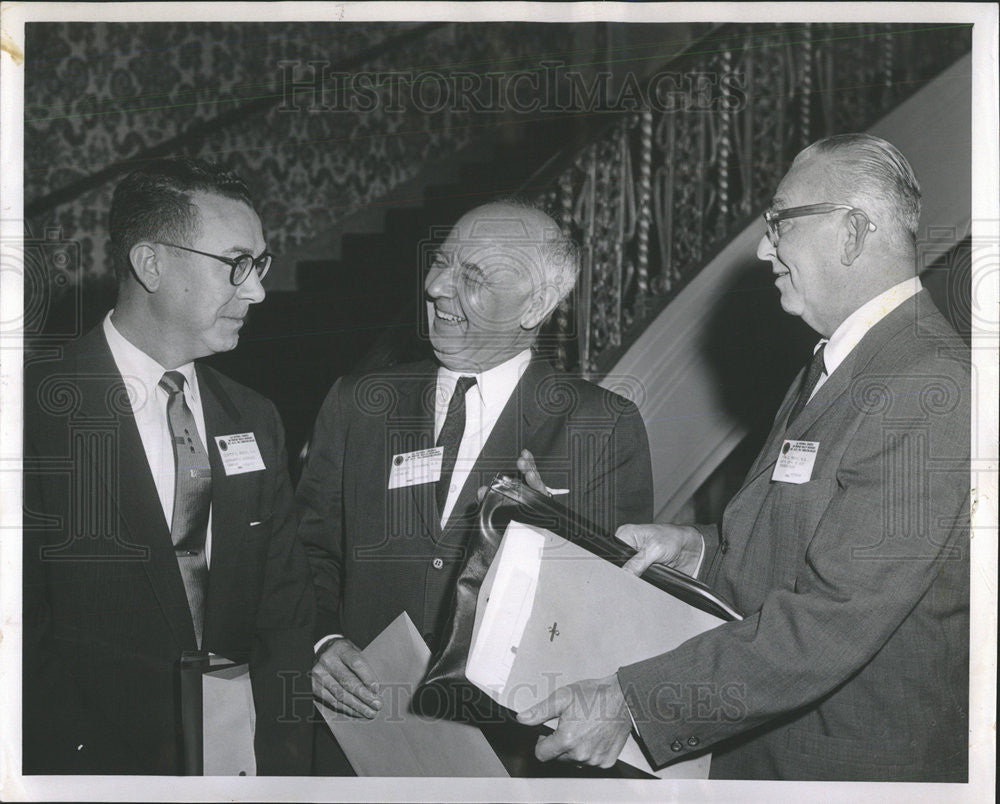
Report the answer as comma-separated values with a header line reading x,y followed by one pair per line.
x,y
773,217
240,266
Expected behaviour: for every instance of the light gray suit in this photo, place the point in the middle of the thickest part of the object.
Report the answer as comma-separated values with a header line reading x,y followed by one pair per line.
x,y
852,661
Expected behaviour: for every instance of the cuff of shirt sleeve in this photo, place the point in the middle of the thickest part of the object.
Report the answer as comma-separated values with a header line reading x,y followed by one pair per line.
x,y
627,709
320,646
701,559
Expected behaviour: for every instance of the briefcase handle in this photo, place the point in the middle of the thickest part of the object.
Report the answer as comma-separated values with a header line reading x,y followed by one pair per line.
x,y
508,498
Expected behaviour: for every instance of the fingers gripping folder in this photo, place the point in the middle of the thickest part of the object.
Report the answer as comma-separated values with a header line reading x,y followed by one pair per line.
x,y
534,610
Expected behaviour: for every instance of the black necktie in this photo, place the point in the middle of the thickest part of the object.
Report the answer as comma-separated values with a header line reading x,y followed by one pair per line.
x,y
192,498
451,436
813,373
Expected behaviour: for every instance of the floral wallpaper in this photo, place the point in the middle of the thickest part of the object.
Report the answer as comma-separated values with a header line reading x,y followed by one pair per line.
x,y
98,94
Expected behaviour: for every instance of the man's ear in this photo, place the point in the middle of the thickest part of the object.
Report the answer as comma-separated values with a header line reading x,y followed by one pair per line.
x,y
146,266
854,240
542,305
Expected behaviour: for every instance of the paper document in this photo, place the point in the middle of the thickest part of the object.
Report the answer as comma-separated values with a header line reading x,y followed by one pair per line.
x,y
229,719
397,742
550,613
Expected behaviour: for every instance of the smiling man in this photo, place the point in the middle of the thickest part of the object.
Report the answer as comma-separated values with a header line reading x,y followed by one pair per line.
x,y
147,531
388,494
847,548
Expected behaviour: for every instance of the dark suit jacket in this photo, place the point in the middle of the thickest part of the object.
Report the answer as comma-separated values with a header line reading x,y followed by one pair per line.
x,y
377,552
852,662
105,614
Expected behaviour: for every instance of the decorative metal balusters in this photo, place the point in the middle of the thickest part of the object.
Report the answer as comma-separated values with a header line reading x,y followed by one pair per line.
x,y
656,193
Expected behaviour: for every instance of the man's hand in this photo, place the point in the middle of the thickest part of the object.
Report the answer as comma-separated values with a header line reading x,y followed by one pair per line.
x,y
343,680
526,466
593,722
679,546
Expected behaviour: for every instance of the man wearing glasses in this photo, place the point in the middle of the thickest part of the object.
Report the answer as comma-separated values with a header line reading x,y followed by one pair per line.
x,y
158,509
847,546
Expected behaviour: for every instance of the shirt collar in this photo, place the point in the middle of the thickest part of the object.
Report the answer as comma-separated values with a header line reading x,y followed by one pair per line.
x,y
495,385
134,363
853,328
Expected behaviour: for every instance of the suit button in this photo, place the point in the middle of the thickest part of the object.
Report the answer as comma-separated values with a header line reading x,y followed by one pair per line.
x,y
724,546
693,741
437,563
429,637
676,746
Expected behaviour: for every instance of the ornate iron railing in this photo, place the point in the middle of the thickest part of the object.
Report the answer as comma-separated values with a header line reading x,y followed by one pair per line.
x,y
656,193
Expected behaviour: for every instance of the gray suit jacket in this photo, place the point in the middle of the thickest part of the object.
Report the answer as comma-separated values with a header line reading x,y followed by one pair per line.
x,y
852,661
376,552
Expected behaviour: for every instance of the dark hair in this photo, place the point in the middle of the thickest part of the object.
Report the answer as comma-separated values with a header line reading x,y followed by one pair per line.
x,y
154,203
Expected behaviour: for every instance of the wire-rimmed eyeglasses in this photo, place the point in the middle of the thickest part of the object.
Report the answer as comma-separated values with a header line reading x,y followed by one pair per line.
x,y
773,217
240,266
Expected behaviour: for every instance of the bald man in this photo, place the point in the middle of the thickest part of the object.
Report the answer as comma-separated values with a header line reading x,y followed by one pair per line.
x,y
847,547
388,495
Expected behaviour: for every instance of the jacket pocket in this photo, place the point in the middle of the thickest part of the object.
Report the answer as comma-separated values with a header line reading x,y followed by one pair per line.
x,y
840,753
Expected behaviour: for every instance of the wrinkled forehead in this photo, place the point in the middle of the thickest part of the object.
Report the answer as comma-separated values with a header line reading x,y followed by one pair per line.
x,y
806,182
498,237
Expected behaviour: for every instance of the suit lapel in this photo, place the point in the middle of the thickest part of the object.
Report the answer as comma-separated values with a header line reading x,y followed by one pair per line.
x,y
131,487
828,397
777,433
233,500
417,408
825,399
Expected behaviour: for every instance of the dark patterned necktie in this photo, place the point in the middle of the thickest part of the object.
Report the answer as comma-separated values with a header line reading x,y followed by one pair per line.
x,y
813,373
192,498
451,436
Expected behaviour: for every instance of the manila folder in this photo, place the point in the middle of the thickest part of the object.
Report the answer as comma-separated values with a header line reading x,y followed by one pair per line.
x,y
397,742
550,613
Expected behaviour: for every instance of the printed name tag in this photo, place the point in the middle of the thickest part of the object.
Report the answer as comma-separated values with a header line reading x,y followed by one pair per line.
x,y
239,453
795,463
414,468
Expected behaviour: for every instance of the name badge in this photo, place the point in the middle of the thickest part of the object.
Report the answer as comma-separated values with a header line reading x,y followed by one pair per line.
x,y
239,453
795,463
414,468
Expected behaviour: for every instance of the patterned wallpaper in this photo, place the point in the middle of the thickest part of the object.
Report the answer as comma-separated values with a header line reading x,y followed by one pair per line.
x,y
100,93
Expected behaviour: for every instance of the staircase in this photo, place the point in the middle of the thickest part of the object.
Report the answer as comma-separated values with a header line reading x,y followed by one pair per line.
x,y
363,308
670,308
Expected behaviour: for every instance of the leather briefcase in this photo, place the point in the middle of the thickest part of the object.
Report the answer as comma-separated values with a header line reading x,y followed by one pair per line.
x,y
445,691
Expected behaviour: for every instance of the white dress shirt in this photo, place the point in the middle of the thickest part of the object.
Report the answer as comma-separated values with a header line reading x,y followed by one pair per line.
x,y
853,328
142,375
484,402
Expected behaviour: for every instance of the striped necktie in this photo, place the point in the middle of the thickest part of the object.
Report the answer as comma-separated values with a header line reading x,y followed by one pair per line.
x,y
192,498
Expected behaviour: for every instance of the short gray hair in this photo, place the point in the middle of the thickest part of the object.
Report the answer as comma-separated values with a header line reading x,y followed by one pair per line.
x,y
559,252
876,174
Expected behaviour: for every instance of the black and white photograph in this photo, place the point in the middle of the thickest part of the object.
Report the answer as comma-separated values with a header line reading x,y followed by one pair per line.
x,y
498,401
